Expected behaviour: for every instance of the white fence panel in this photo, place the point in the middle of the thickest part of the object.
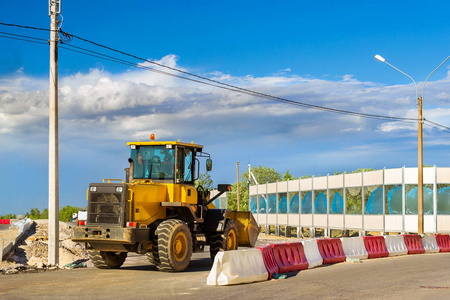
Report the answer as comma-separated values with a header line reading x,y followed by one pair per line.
x,y
373,222
320,221
443,223
261,219
320,183
373,178
353,180
294,220
271,219
282,219
306,220
394,223
393,176
336,221
353,222
336,181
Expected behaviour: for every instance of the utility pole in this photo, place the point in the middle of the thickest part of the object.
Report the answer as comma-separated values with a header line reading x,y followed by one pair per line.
x,y
237,190
53,169
420,170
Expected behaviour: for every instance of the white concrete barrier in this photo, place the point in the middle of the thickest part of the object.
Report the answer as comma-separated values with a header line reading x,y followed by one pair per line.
x,y
354,247
430,244
23,225
395,244
312,253
4,249
238,266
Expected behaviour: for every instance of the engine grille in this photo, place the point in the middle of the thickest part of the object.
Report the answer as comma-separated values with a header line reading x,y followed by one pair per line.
x,y
106,207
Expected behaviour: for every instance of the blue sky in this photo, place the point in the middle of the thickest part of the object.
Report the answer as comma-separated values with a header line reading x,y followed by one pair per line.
x,y
318,52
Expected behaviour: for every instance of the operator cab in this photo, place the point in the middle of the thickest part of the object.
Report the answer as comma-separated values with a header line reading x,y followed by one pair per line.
x,y
166,162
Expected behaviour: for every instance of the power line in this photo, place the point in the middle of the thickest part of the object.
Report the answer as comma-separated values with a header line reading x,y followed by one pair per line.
x,y
23,38
247,91
205,80
231,88
438,126
24,27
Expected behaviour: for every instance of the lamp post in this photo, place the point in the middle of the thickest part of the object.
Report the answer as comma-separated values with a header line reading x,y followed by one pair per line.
x,y
420,140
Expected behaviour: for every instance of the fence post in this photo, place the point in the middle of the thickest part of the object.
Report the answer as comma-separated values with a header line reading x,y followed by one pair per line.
x,y
267,206
299,230
344,192
384,203
277,202
288,208
435,200
403,199
363,200
328,210
313,200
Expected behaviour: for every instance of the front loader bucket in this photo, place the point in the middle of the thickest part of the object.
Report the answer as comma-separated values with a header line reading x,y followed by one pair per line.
x,y
248,229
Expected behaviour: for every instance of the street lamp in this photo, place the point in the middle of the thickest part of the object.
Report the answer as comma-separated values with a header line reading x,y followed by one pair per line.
x,y
420,140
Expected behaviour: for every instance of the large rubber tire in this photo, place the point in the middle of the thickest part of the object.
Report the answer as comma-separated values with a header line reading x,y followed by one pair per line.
x,y
107,260
150,258
173,246
224,241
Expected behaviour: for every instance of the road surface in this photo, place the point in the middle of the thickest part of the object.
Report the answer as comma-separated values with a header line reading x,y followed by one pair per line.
x,y
422,276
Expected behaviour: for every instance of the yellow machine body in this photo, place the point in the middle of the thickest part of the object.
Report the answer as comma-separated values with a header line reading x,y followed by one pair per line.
x,y
147,196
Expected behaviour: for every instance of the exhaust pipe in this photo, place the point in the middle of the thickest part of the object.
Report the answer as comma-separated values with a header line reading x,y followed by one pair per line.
x,y
130,171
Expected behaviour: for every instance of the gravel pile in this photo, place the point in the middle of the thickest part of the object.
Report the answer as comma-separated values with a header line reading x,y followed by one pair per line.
x,y
32,254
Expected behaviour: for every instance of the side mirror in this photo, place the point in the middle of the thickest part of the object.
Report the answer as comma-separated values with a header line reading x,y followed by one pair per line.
x,y
209,164
224,188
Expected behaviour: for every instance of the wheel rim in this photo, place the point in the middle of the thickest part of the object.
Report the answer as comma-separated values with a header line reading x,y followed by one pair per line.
x,y
180,246
231,240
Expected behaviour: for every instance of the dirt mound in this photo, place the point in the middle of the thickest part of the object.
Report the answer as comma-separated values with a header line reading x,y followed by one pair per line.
x,y
32,254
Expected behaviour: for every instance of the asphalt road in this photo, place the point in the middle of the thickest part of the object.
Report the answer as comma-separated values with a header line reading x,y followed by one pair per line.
x,y
424,276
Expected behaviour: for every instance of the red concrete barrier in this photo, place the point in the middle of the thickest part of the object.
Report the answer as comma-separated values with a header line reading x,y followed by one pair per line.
x,y
414,244
443,241
269,260
5,221
299,256
331,250
290,257
375,246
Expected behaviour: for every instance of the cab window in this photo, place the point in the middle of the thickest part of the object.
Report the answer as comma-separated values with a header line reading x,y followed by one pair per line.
x,y
153,162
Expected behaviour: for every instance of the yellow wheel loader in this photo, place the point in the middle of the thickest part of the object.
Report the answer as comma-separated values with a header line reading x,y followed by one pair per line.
x,y
159,212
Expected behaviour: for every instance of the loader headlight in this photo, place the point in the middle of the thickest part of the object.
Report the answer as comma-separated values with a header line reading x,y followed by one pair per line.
x,y
119,189
93,189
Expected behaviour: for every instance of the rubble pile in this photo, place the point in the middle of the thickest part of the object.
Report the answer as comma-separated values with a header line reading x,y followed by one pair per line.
x,y
32,254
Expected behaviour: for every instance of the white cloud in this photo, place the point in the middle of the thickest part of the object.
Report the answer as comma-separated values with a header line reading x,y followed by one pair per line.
x,y
100,105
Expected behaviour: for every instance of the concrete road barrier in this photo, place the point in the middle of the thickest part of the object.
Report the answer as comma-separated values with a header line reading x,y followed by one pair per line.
x,y
375,246
443,241
238,266
354,247
429,244
395,245
290,257
331,250
312,253
269,261
414,243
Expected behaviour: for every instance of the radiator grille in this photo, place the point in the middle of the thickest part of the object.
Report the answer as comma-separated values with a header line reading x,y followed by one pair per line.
x,y
105,208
